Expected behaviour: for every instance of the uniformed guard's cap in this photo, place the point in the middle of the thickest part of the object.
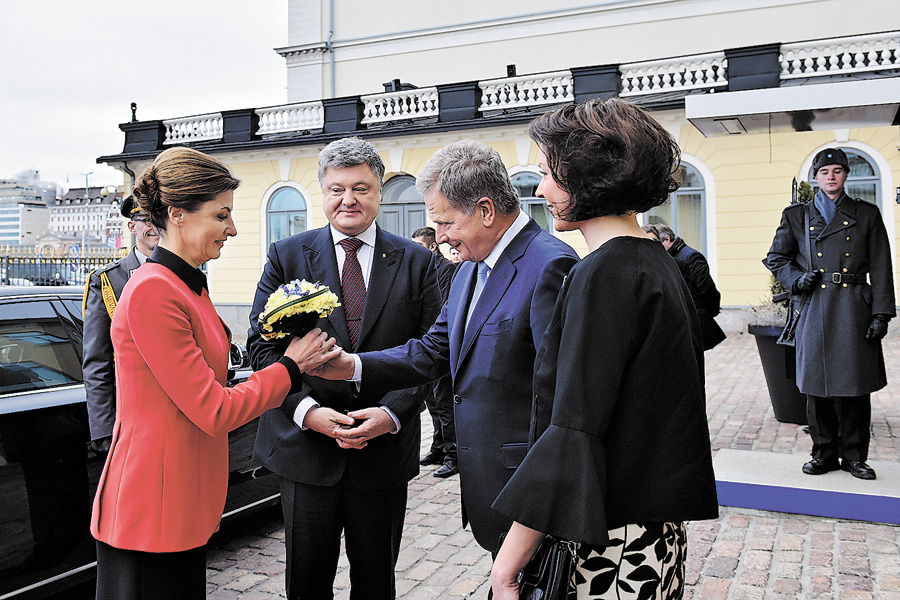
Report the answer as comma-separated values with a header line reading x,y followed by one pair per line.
x,y
830,156
130,207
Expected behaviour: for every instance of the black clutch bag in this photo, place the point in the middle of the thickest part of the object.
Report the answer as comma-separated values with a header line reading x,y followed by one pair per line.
x,y
548,573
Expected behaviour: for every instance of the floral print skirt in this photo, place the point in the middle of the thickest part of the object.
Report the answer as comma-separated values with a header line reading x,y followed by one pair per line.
x,y
642,562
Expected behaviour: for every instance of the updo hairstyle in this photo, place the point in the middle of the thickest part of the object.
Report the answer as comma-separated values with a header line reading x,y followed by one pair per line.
x,y
182,178
610,156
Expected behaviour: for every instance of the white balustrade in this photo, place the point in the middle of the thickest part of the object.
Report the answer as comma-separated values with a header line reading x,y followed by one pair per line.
x,y
291,117
684,73
528,90
193,129
397,106
839,56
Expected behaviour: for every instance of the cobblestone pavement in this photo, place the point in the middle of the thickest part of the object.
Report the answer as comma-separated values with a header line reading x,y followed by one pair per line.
x,y
744,554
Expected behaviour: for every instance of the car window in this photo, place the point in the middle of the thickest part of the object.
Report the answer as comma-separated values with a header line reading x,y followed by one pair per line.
x,y
35,350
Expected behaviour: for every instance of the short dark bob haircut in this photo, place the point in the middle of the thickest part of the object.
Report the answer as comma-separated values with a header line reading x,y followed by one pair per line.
x,y
610,156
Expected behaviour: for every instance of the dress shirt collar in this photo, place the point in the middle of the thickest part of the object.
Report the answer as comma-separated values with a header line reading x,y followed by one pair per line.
x,y
517,226
193,278
142,258
367,237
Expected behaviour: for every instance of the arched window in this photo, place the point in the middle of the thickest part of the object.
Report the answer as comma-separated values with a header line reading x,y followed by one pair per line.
x,y
526,184
402,209
863,181
685,209
286,213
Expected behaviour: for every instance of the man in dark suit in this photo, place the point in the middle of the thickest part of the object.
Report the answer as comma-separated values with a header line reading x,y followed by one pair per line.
x,y
847,291
104,287
490,328
389,294
440,399
695,270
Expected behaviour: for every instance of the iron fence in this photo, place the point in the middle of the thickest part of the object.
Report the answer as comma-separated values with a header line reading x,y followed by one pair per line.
x,y
26,266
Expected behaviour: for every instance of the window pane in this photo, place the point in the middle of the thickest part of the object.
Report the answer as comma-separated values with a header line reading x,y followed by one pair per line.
x,y
277,227
526,184
36,354
296,222
538,211
859,166
864,191
401,190
287,198
690,220
690,178
661,214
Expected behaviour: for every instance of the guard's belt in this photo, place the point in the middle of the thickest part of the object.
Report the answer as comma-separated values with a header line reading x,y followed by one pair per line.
x,y
848,278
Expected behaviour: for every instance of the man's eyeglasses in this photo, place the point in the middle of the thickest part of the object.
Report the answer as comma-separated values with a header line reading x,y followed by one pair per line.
x,y
141,218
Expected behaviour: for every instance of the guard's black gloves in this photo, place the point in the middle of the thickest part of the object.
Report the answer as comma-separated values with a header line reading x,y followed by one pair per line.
x,y
805,282
877,328
101,446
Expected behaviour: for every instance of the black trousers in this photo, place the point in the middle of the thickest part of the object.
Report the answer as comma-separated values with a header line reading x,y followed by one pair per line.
x,y
440,404
372,522
132,575
839,427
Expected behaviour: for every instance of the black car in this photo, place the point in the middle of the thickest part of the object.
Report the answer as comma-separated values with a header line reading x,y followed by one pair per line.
x,y
48,474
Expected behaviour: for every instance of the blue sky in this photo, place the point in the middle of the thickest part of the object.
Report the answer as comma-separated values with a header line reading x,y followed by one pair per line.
x,y
72,68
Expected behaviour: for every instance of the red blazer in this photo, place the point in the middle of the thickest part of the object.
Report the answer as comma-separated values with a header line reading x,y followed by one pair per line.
x,y
164,484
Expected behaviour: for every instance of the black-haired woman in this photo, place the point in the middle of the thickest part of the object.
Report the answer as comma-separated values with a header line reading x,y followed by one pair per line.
x,y
622,455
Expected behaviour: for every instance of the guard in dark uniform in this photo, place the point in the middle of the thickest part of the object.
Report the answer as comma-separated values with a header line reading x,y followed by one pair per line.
x,y
103,289
848,286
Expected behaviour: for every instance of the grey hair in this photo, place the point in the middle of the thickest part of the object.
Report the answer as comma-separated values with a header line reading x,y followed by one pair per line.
x,y
466,171
664,231
350,152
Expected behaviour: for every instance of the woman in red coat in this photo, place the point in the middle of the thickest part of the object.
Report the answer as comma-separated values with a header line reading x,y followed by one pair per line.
x,y
163,488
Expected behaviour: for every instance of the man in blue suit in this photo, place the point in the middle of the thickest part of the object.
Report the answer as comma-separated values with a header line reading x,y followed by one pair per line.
x,y
389,294
489,330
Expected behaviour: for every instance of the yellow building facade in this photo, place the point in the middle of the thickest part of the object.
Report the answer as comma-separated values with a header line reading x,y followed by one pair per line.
x,y
748,120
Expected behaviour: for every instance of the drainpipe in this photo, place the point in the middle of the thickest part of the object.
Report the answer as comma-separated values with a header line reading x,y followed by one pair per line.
x,y
328,44
131,175
128,171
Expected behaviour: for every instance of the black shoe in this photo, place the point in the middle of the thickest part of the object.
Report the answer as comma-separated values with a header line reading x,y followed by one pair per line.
x,y
817,466
448,469
858,469
432,458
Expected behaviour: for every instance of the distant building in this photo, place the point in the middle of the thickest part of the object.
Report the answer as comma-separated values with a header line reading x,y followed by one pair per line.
x,y
91,218
23,213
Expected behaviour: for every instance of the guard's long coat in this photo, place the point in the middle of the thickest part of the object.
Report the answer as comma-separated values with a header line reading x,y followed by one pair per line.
x,y
833,357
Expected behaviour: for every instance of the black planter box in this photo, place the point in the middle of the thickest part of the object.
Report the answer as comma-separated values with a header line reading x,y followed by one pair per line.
x,y
779,367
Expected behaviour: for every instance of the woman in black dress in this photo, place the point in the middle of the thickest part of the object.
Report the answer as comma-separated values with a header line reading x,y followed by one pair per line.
x,y
620,454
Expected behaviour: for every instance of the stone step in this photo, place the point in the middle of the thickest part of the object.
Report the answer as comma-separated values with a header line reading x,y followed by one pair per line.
x,y
774,482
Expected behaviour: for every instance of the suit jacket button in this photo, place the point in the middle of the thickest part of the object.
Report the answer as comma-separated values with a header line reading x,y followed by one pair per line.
x,y
846,223
824,286
456,398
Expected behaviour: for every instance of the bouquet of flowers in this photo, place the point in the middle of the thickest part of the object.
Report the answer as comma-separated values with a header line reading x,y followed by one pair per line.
x,y
294,308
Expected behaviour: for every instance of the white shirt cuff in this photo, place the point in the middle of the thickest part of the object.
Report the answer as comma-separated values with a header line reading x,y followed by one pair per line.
x,y
357,368
304,407
393,417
